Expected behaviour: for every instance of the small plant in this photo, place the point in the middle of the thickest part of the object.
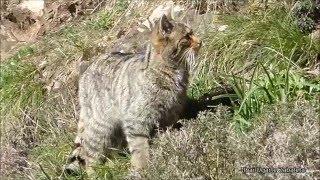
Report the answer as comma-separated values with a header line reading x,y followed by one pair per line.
x,y
21,94
269,88
75,37
50,160
121,5
116,168
103,21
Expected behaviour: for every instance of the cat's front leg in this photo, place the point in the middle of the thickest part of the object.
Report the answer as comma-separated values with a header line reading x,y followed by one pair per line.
x,y
137,136
139,149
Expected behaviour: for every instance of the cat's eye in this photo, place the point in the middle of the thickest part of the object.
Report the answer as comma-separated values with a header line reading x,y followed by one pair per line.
x,y
188,35
184,41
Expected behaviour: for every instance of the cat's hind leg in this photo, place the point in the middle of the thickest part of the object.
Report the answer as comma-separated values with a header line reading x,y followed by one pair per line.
x,y
90,143
76,159
97,138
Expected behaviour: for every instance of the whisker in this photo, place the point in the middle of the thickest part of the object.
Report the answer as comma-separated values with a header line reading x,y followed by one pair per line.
x,y
191,60
188,59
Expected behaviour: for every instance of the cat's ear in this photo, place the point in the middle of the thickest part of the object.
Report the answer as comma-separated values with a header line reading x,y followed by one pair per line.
x,y
165,27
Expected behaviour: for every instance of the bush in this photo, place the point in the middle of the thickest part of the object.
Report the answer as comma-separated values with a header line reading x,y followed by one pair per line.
x,y
306,14
285,135
198,150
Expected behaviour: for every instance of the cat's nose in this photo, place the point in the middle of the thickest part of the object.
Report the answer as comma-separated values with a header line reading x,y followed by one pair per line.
x,y
196,42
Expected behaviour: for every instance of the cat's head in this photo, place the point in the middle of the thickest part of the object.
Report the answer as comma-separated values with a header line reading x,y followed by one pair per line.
x,y
175,41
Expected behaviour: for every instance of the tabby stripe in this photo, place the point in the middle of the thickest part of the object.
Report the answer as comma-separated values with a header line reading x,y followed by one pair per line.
x,y
122,72
114,75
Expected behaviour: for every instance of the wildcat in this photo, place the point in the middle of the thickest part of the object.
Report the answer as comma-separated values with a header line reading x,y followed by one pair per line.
x,y
125,96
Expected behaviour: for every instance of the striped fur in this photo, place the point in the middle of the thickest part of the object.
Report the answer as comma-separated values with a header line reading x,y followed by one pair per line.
x,y
124,97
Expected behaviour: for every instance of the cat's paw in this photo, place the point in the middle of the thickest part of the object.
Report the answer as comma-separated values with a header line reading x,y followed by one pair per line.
x,y
72,169
74,164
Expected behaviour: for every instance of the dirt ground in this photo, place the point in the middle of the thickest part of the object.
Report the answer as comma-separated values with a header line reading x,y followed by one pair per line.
x,y
23,22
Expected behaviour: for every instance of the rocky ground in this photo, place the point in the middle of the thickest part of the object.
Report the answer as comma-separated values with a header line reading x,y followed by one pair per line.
x,y
28,21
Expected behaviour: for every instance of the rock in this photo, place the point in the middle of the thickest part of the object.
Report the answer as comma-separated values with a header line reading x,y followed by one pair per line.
x,y
43,64
22,24
315,35
223,28
35,6
56,85
168,8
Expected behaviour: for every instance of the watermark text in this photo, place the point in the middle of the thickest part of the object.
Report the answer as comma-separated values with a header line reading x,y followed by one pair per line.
x,y
264,170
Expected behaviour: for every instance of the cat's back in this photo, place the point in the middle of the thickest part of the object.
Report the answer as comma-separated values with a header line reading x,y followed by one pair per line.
x,y
109,77
109,66
114,61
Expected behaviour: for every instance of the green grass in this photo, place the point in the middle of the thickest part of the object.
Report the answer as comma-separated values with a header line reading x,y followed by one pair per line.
x,y
51,155
115,168
269,88
262,56
21,94
20,86
103,21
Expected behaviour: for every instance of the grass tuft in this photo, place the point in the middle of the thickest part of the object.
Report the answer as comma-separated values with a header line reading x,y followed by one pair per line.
x,y
262,55
19,83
